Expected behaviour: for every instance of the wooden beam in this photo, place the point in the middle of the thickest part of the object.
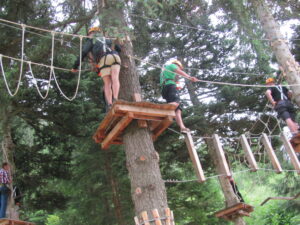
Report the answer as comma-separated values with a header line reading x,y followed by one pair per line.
x,y
120,126
144,111
136,220
168,216
280,198
172,218
156,217
221,156
233,209
163,125
271,153
194,157
243,213
290,150
16,222
145,218
249,155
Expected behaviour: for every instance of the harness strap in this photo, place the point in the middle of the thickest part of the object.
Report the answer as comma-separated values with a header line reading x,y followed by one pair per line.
x,y
282,95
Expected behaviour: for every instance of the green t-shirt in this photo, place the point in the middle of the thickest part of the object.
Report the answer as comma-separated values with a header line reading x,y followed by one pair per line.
x,y
168,77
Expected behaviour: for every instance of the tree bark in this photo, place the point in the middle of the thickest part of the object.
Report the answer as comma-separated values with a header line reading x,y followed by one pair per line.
x,y
279,46
230,197
7,156
147,187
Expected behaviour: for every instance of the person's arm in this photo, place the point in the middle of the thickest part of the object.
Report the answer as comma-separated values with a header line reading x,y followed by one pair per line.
x,y
270,98
85,50
184,74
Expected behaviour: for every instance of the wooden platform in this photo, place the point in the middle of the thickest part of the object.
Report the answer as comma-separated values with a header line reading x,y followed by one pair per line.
x,y
295,141
157,117
240,209
14,222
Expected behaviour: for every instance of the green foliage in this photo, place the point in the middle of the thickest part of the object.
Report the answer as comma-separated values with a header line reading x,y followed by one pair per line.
x,y
64,176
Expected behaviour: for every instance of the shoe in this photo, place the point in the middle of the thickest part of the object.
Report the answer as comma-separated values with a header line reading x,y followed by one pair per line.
x,y
107,108
184,130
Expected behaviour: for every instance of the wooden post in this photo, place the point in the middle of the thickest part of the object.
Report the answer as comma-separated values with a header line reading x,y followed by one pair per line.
x,y
137,98
168,216
249,154
136,220
172,218
271,153
194,157
156,217
145,218
221,156
290,150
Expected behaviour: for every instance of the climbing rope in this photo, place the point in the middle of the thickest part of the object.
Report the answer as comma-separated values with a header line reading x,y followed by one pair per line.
x,y
21,67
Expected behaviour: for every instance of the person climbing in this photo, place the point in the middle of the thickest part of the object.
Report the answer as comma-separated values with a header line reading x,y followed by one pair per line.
x,y
280,98
235,189
105,60
5,180
169,92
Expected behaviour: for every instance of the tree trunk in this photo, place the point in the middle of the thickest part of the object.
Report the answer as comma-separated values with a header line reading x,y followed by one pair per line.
x,y
280,47
147,187
230,197
7,156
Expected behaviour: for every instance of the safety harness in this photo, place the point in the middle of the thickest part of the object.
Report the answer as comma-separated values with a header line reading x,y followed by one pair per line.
x,y
282,95
106,51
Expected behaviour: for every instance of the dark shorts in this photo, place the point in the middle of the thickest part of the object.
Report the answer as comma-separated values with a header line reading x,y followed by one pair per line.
x,y
170,94
285,110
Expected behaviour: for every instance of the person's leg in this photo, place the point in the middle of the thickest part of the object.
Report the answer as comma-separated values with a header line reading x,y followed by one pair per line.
x,y
3,202
292,125
107,89
115,71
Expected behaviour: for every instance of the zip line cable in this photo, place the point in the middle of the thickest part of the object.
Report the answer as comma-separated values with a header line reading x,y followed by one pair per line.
x,y
218,82
201,29
52,67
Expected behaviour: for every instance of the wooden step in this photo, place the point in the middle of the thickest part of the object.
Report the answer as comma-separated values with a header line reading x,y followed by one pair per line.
x,y
240,209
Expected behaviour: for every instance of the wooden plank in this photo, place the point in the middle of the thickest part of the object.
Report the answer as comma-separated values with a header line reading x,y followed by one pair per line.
x,y
243,213
280,198
121,125
144,111
156,217
290,150
168,216
16,222
249,155
172,218
145,218
147,105
161,128
233,209
271,153
221,156
142,124
194,157
136,220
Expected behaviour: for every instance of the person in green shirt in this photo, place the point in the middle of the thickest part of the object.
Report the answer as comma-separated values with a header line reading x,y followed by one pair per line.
x,y
169,92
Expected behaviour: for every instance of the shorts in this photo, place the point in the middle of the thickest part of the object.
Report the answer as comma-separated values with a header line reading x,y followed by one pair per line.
x,y
107,62
170,94
285,110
